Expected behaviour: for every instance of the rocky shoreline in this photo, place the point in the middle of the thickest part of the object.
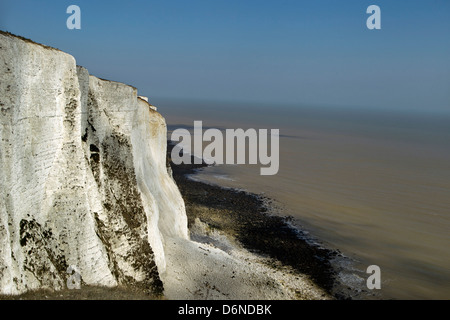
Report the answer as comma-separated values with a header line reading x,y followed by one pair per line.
x,y
240,249
249,220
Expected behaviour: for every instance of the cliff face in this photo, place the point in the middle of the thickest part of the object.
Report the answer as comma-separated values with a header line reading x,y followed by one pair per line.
x,y
83,178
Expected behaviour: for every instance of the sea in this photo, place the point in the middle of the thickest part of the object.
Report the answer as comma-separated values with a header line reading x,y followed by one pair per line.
x,y
374,184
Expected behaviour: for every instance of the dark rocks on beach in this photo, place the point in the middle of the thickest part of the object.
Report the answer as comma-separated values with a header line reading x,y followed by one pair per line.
x,y
246,218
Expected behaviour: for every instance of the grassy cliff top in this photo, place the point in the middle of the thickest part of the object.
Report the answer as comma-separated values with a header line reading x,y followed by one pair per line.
x,y
9,34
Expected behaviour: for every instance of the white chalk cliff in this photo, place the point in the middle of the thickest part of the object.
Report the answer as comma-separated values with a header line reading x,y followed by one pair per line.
x,y
83,177
84,185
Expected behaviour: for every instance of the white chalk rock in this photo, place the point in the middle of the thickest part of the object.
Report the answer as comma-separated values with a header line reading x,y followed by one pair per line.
x,y
83,178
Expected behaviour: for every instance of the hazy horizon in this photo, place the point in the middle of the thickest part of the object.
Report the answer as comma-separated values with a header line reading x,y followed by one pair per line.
x,y
286,52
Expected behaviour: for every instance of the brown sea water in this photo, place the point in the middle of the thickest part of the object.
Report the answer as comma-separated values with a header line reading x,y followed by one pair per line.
x,y
375,185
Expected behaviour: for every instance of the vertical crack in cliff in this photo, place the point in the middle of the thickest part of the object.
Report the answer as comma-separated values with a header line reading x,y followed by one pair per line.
x,y
125,216
111,163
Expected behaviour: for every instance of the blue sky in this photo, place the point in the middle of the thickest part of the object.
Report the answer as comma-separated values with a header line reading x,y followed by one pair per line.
x,y
316,53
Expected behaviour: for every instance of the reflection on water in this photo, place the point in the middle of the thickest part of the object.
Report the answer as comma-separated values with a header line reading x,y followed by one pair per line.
x,y
375,186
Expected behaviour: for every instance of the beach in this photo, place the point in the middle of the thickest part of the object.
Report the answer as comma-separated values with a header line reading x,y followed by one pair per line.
x,y
374,185
234,220
239,249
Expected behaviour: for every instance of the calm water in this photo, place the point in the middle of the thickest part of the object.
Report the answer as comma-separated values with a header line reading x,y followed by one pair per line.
x,y
374,185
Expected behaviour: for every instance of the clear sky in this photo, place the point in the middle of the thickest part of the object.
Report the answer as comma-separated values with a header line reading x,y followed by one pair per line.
x,y
276,51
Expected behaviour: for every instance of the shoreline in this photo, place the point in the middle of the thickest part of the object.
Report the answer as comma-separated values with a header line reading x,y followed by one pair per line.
x,y
251,221
246,252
